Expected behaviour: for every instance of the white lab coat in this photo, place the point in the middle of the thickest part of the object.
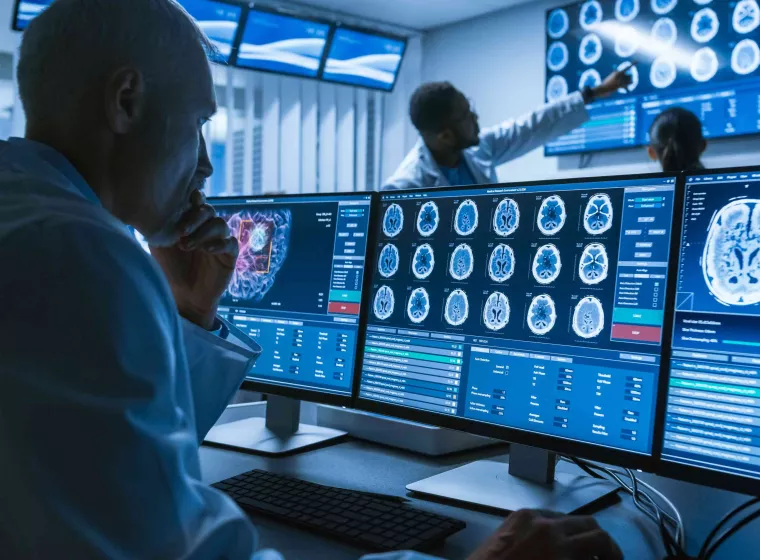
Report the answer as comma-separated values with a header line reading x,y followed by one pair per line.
x,y
498,145
105,392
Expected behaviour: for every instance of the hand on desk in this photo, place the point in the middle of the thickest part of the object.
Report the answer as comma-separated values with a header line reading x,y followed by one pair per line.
x,y
540,535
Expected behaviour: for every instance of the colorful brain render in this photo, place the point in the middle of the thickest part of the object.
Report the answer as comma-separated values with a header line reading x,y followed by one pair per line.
x,y
423,262
542,315
547,264
598,216
457,308
419,305
588,318
384,303
731,258
594,264
496,311
506,219
462,262
263,237
393,220
466,218
387,264
551,215
501,265
428,219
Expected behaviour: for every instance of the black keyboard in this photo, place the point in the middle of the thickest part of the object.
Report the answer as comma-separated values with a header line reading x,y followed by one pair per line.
x,y
365,520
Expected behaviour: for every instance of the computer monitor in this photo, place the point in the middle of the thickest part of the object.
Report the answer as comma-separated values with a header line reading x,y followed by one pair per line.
x,y
281,43
712,428
220,22
297,290
26,10
533,313
363,58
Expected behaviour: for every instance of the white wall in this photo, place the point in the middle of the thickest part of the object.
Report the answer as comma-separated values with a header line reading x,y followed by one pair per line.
x,y
498,61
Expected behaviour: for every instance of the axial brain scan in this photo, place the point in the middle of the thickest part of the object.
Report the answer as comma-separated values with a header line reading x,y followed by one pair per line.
x,y
457,308
663,72
558,24
556,89
591,14
384,303
588,318
633,72
547,264
428,218
496,311
746,16
557,57
590,79
388,262
705,25
731,259
423,262
704,65
627,42
662,7
552,215
542,315
627,10
594,264
263,237
745,58
466,218
393,221
506,219
665,31
590,50
598,216
501,265
419,305
462,262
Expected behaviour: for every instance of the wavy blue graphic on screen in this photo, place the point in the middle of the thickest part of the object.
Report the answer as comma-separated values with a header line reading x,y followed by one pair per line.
x,y
282,44
364,60
27,11
218,21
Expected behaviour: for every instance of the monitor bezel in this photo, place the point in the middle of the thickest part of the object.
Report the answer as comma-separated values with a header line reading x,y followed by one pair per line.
x,y
338,26
14,19
684,472
234,62
303,393
548,442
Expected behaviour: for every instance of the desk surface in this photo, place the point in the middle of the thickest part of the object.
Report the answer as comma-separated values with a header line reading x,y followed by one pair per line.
x,y
365,466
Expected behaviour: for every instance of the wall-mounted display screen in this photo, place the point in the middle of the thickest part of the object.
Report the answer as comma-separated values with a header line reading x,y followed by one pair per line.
x,y
26,11
363,59
702,55
219,21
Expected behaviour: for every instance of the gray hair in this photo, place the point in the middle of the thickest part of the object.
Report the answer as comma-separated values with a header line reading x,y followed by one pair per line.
x,y
74,45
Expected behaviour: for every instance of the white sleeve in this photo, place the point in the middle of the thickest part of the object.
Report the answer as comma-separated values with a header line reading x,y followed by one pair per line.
x,y
514,138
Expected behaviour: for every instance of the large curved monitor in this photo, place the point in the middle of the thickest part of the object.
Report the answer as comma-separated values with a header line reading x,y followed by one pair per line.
x,y
220,22
532,313
712,427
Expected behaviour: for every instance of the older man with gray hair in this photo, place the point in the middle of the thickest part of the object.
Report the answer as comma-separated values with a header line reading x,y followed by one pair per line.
x,y
113,365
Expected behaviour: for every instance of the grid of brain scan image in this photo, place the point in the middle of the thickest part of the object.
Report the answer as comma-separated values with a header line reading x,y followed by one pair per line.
x,y
529,265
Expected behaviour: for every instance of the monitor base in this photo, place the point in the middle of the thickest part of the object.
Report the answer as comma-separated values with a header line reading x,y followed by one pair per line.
x,y
280,433
489,484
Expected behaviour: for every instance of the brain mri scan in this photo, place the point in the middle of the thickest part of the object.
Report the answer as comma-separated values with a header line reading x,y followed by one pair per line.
x,y
704,65
501,264
590,79
496,312
462,263
393,220
424,262
597,219
627,42
547,264
590,50
626,10
506,219
731,259
746,16
663,72
594,264
665,31
556,89
457,308
591,15
542,315
662,7
633,72
418,306
384,303
588,318
264,238
745,58
703,2
387,264
705,25
428,219
558,24
552,215
557,57
466,218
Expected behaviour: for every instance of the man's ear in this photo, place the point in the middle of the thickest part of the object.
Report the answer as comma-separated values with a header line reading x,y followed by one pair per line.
x,y
124,99
652,153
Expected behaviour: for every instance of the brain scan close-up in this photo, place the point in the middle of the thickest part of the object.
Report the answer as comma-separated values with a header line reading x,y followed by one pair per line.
x,y
384,303
731,259
597,219
547,264
551,215
542,315
590,79
393,220
506,218
496,311
704,65
633,72
594,264
665,31
590,50
462,263
627,10
457,308
662,7
466,218
558,23
557,57
745,58
556,89
501,264
663,73
591,14
418,307
428,219
588,318
746,16
627,41
705,25
423,262
387,264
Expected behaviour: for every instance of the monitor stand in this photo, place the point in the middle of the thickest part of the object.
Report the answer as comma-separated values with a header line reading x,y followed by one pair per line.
x,y
530,482
280,433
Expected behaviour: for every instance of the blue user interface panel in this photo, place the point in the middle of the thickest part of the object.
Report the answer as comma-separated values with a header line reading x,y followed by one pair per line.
x,y
539,309
700,55
219,21
713,413
297,285
27,11
363,59
280,43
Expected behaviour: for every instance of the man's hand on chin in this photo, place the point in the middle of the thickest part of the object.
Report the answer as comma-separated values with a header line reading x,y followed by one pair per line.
x,y
199,266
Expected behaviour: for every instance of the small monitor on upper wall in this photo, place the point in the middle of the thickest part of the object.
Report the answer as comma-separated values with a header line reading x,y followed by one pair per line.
x,y
26,11
219,21
275,42
361,58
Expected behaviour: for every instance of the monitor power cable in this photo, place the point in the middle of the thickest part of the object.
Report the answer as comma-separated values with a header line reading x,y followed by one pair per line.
x,y
712,543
